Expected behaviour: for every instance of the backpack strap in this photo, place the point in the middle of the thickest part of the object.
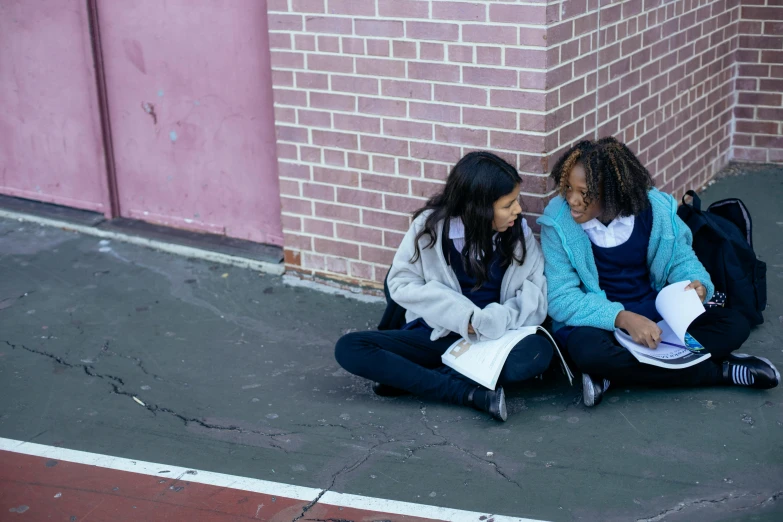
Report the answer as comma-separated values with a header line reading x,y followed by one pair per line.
x,y
696,200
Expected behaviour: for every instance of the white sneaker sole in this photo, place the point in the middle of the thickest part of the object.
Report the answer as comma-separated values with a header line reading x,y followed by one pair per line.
x,y
588,391
503,411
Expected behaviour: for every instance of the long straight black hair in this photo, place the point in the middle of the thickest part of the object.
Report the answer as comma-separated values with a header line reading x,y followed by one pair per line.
x,y
474,184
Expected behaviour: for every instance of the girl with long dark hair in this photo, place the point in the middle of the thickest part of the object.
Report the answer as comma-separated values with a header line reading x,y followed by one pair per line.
x,y
468,267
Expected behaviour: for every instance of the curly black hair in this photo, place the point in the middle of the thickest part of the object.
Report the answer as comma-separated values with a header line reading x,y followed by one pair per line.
x,y
615,176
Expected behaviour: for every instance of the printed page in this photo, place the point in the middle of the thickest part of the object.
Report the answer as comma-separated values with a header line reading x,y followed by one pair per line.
x,y
483,361
679,307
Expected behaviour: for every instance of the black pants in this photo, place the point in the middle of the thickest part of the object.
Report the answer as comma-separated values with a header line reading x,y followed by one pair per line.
x,y
597,353
408,360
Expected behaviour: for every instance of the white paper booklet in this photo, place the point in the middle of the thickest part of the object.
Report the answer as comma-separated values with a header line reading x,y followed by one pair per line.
x,y
677,348
482,362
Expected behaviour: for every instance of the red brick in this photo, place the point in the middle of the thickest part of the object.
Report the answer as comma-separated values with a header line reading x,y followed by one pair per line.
x,y
313,261
314,118
500,35
358,161
460,94
354,84
434,112
330,63
760,13
288,60
435,152
284,22
304,42
534,36
340,102
360,198
336,176
307,6
384,183
771,142
560,33
378,47
380,67
517,141
757,98
433,71
336,248
286,151
760,42
328,24
407,129
359,234
295,134
569,51
316,191
436,170
293,170
489,55
291,223
296,206
431,51
361,270
403,8
463,11
384,145
532,80
585,24
401,204
766,113
375,218
290,188
377,255
285,115
382,107
461,53
352,45
408,167
277,5
306,80
532,122
351,7
338,140
392,239
335,158
489,76
772,56
279,41
404,89
757,127
402,49
517,14
282,78
746,154
377,28
462,136
517,99
432,31
527,58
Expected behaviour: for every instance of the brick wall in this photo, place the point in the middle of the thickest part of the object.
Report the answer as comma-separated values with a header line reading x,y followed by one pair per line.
x,y
375,99
758,113
660,74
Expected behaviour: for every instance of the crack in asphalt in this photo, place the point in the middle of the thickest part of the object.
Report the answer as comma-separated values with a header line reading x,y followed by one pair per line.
x,y
731,496
346,469
447,443
115,383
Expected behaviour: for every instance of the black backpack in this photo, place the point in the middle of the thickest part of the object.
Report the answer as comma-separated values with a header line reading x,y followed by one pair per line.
x,y
723,242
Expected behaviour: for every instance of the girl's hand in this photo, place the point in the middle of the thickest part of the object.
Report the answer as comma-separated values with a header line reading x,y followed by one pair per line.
x,y
696,285
470,329
642,330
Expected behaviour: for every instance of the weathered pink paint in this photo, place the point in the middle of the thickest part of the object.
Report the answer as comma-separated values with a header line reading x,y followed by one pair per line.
x,y
190,99
51,147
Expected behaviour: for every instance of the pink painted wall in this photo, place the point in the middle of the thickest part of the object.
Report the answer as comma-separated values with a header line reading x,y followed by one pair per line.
x,y
50,134
190,100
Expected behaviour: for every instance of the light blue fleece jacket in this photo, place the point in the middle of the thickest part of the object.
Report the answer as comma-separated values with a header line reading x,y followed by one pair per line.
x,y
575,297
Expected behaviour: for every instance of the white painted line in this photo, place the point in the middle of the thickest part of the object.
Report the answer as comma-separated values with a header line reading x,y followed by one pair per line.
x,y
198,253
250,484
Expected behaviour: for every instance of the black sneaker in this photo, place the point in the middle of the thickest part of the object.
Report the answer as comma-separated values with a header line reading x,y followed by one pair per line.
x,y
764,373
593,392
490,401
384,390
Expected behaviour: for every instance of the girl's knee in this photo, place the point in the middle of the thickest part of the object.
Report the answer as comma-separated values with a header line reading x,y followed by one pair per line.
x,y
348,348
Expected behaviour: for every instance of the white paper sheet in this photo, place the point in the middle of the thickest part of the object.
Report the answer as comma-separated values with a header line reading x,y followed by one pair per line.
x,y
679,307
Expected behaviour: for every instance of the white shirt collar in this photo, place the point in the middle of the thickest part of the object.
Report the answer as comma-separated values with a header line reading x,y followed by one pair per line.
x,y
617,232
621,220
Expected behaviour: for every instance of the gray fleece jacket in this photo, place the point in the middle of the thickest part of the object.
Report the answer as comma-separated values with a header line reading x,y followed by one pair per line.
x,y
429,289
